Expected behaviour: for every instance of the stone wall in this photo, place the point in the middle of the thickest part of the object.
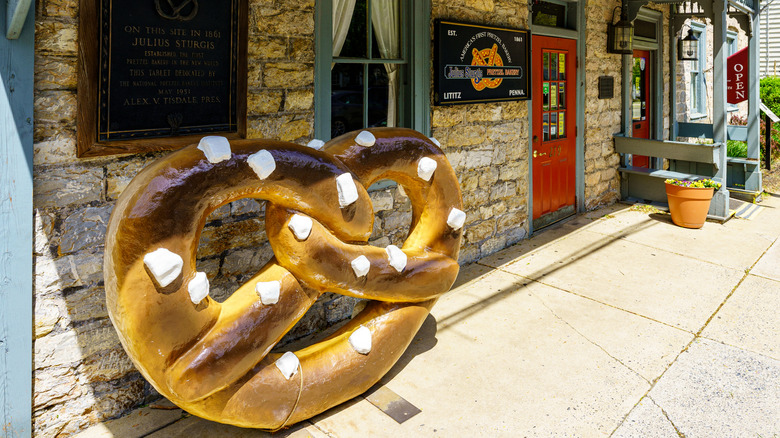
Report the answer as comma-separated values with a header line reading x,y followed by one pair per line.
x,y
487,144
81,374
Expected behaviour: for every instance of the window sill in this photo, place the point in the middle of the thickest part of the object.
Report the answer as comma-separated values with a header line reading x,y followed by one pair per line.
x,y
697,116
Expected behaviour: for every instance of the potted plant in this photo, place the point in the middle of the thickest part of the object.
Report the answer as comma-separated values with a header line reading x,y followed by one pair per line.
x,y
689,201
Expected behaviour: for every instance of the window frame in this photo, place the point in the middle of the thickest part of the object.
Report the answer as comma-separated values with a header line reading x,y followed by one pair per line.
x,y
698,106
414,81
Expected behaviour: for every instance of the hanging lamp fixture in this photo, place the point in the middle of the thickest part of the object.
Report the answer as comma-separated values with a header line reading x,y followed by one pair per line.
x,y
688,47
620,36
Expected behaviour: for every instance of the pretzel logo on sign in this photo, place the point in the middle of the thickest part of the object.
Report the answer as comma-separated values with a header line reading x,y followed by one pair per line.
x,y
215,359
486,58
179,12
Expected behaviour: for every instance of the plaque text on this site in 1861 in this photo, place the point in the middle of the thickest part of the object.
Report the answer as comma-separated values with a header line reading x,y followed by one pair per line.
x,y
167,68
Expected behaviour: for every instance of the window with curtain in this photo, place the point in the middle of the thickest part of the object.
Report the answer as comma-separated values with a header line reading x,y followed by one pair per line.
x,y
369,66
698,102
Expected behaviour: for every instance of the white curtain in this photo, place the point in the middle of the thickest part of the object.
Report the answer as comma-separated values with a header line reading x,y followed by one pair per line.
x,y
342,16
385,17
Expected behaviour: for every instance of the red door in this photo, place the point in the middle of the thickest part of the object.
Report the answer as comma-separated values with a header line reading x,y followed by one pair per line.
x,y
554,118
640,107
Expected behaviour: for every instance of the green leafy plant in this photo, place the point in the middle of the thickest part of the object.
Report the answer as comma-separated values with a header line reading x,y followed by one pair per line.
x,y
770,93
699,183
734,147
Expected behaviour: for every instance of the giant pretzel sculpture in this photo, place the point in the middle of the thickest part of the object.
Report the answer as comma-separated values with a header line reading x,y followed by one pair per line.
x,y
214,359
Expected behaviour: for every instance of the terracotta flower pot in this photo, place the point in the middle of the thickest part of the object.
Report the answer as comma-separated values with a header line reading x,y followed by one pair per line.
x,y
689,205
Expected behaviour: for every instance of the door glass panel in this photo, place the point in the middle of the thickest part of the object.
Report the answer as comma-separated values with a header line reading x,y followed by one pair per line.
x,y
546,127
546,96
561,125
553,126
561,96
554,66
554,95
562,66
545,67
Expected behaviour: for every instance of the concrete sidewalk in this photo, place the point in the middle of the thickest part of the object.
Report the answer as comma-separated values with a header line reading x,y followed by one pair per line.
x,y
616,323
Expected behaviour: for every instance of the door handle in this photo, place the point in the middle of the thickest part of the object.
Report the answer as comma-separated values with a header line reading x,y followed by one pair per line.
x,y
537,154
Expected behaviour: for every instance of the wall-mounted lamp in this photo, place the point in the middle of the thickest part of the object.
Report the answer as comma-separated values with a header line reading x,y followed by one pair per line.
x,y
688,47
620,36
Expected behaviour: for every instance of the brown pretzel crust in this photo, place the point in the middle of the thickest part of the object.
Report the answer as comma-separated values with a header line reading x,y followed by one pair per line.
x,y
213,359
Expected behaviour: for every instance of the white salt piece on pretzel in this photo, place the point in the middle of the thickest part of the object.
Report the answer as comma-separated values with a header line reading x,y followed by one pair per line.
x,y
216,148
436,142
456,219
347,190
198,287
361,266
397,257
366,139
316,144
262,163
360,340
269,292
164,265
425,168
300,226
288,364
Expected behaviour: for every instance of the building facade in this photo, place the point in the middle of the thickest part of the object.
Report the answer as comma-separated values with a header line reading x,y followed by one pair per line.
x,y
310,65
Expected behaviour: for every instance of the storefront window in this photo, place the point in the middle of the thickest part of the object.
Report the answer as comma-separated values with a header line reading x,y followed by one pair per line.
x,y
369,58
698,102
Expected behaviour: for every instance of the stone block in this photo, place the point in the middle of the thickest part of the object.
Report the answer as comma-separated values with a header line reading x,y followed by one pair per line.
x,y
46,316
56,37
508,132
118,398
382,200
492,245
106,365
234,235
288,75
69,271
489,177
264,102
246,261
468,254
55,73
84,228
264,48
53,386
339,309
302,49
503,190
284,22
57,148
480,5
119,173
445,116
55,107
45,233
396,220
299,100
60,8
295,129
480,231
64,419
87,304
512,171
67,186
209,266
510,221
487,113
468,135
478,158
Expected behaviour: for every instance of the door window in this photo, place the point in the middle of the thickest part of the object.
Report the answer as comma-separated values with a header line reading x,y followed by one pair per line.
x,y
554,111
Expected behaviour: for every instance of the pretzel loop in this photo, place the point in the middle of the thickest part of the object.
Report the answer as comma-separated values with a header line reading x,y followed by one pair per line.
x,y
214,359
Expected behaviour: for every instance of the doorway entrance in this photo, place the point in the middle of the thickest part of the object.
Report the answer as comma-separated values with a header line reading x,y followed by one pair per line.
x,y
554,137
641,102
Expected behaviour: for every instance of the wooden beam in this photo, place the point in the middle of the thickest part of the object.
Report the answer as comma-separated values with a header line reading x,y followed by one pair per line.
x,y
16,230
16,13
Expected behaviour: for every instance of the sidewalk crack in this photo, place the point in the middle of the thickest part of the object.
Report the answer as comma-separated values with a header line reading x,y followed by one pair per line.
x,y
588,339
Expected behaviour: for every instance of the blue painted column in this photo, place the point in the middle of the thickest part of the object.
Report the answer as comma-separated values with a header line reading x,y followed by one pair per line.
x,y
16,228
720,201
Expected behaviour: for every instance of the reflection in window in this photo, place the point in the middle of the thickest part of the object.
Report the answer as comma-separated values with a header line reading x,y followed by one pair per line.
x,y
698,100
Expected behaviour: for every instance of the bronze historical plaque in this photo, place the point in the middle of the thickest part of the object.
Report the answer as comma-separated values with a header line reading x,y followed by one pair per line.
x,y
167,68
